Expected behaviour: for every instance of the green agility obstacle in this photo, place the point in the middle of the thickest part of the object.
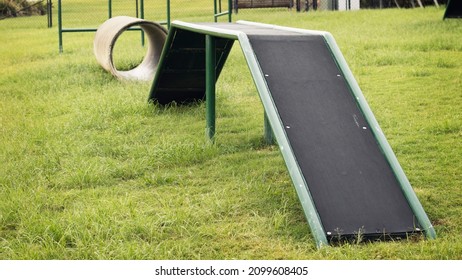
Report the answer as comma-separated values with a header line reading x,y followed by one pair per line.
x,y
347,178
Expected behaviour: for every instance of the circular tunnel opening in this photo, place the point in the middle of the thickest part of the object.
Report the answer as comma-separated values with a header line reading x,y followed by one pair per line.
x,y
129,51
129,60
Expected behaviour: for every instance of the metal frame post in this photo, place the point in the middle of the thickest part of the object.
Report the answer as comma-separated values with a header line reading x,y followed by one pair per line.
x,y
50,13
60,27
109,8
218,12
230,10
168,14
141,16
61,30
137,8
210,82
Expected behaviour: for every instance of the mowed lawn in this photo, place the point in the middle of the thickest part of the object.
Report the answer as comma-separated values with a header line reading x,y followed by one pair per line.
x,y
90,170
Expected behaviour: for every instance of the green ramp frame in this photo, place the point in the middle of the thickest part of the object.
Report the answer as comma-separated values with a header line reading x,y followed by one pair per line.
x,y
213,67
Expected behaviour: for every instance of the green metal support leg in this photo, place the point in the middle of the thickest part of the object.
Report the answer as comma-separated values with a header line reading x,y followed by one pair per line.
x,y
60,27
268,133
210,81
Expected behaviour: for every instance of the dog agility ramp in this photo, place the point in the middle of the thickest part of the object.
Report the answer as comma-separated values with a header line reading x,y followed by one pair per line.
x,y
347,177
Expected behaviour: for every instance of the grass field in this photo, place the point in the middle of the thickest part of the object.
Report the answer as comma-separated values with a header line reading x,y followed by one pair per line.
x,y
90,170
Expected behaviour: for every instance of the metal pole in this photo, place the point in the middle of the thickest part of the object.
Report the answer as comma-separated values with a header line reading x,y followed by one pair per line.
x,y
215,12
109,4
50,13
230,10
136,8
142,16
168,14
210,80
60,27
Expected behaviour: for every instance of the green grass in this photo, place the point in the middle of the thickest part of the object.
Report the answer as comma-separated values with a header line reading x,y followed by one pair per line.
x,y
90,170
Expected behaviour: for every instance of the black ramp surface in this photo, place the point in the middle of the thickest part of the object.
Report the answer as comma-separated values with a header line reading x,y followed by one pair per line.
x,y
453,9
350,181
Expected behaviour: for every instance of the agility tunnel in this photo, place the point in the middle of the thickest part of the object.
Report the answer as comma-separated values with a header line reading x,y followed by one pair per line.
x,y
106,38
347,178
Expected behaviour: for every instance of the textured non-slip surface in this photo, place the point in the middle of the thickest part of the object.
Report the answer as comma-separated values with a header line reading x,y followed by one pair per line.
x,y
350,181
